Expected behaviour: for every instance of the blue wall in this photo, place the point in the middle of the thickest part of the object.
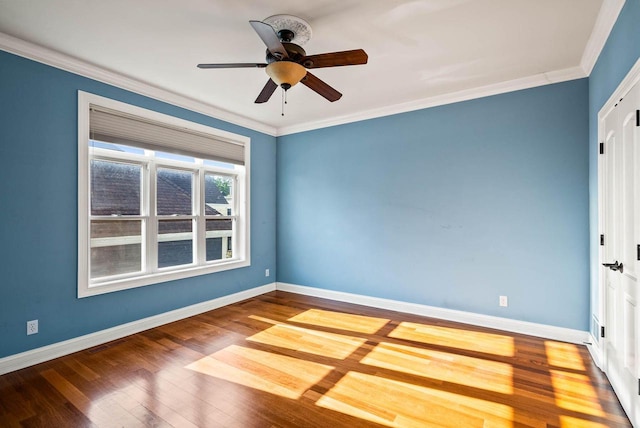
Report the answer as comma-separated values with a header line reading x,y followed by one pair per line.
x,y
449,206
620,53
38,213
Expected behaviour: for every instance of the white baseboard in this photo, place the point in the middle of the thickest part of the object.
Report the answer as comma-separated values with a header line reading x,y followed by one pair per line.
x,y
49,352
505,324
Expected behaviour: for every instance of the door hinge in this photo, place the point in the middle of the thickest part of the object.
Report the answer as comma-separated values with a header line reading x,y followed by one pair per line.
x,y
638,252
601,150
601,239
638,386
637,117
602,331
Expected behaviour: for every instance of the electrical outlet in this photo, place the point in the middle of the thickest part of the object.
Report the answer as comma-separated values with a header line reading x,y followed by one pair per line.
x,y
504,301
32,327
266,272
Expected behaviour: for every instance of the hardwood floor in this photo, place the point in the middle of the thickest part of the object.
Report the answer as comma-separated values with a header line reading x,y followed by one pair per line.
x,y
285,360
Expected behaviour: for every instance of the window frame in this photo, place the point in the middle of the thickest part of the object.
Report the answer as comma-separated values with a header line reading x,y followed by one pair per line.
x,y
200,266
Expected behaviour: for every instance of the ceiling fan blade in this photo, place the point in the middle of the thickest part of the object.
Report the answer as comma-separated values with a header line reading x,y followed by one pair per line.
x,y
270,38
315,84
266,92
233,65
335,59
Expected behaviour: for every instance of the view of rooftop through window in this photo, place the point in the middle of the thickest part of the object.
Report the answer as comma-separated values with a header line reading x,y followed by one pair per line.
x,y
120,216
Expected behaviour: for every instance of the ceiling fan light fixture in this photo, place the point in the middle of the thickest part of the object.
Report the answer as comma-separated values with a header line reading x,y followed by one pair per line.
x,y
286,73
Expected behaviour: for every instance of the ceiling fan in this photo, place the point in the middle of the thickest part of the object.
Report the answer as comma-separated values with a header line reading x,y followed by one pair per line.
x,y
286,62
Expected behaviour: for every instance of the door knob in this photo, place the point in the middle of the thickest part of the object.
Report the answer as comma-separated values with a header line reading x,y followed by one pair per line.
x,y
614,266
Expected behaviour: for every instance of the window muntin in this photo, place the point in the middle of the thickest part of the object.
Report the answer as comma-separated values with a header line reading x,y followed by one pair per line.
x,y
162,215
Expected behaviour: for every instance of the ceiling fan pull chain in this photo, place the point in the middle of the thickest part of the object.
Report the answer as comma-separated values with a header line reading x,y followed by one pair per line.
x,y
283,102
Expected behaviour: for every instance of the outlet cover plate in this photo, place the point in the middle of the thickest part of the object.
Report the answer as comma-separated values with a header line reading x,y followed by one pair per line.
x,y
32,327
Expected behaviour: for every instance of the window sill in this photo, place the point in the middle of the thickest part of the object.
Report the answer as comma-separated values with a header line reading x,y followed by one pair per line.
x,y
86,290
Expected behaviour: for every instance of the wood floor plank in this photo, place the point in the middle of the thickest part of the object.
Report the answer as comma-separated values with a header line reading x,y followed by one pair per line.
x,y
286,360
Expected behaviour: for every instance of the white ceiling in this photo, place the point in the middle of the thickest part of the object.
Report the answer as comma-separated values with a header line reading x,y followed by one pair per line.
x,y
418,49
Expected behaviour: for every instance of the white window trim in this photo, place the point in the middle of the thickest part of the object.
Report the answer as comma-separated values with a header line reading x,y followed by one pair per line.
x,y
243,259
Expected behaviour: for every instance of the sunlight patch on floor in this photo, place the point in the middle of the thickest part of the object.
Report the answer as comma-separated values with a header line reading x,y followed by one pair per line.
x,y
571,422
574,392
341,321
443,366
488,343
276,374
564,355
302,339
400,404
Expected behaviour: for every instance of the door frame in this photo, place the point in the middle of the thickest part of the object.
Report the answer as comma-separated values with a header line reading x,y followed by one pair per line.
x,y
598,349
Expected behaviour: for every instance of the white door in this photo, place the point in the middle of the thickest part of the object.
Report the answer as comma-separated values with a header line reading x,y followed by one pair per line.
x,y
621,250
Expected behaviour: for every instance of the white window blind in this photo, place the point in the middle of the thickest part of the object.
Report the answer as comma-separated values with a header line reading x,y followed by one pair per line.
x,y
123,128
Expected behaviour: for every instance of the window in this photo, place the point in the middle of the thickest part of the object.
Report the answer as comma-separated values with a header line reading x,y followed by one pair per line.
x,y
159,198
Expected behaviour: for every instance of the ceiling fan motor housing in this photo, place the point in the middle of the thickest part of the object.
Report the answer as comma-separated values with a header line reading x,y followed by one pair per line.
x,y
295,52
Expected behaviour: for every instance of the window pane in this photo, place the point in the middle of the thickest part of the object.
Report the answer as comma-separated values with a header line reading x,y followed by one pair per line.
x,y
174,192
115,188
219,164
173,156
116,247
219,238
218,191
115,147
175,242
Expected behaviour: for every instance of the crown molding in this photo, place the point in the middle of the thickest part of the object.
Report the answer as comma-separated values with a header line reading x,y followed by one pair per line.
x,y
607,17
74,65
450,98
